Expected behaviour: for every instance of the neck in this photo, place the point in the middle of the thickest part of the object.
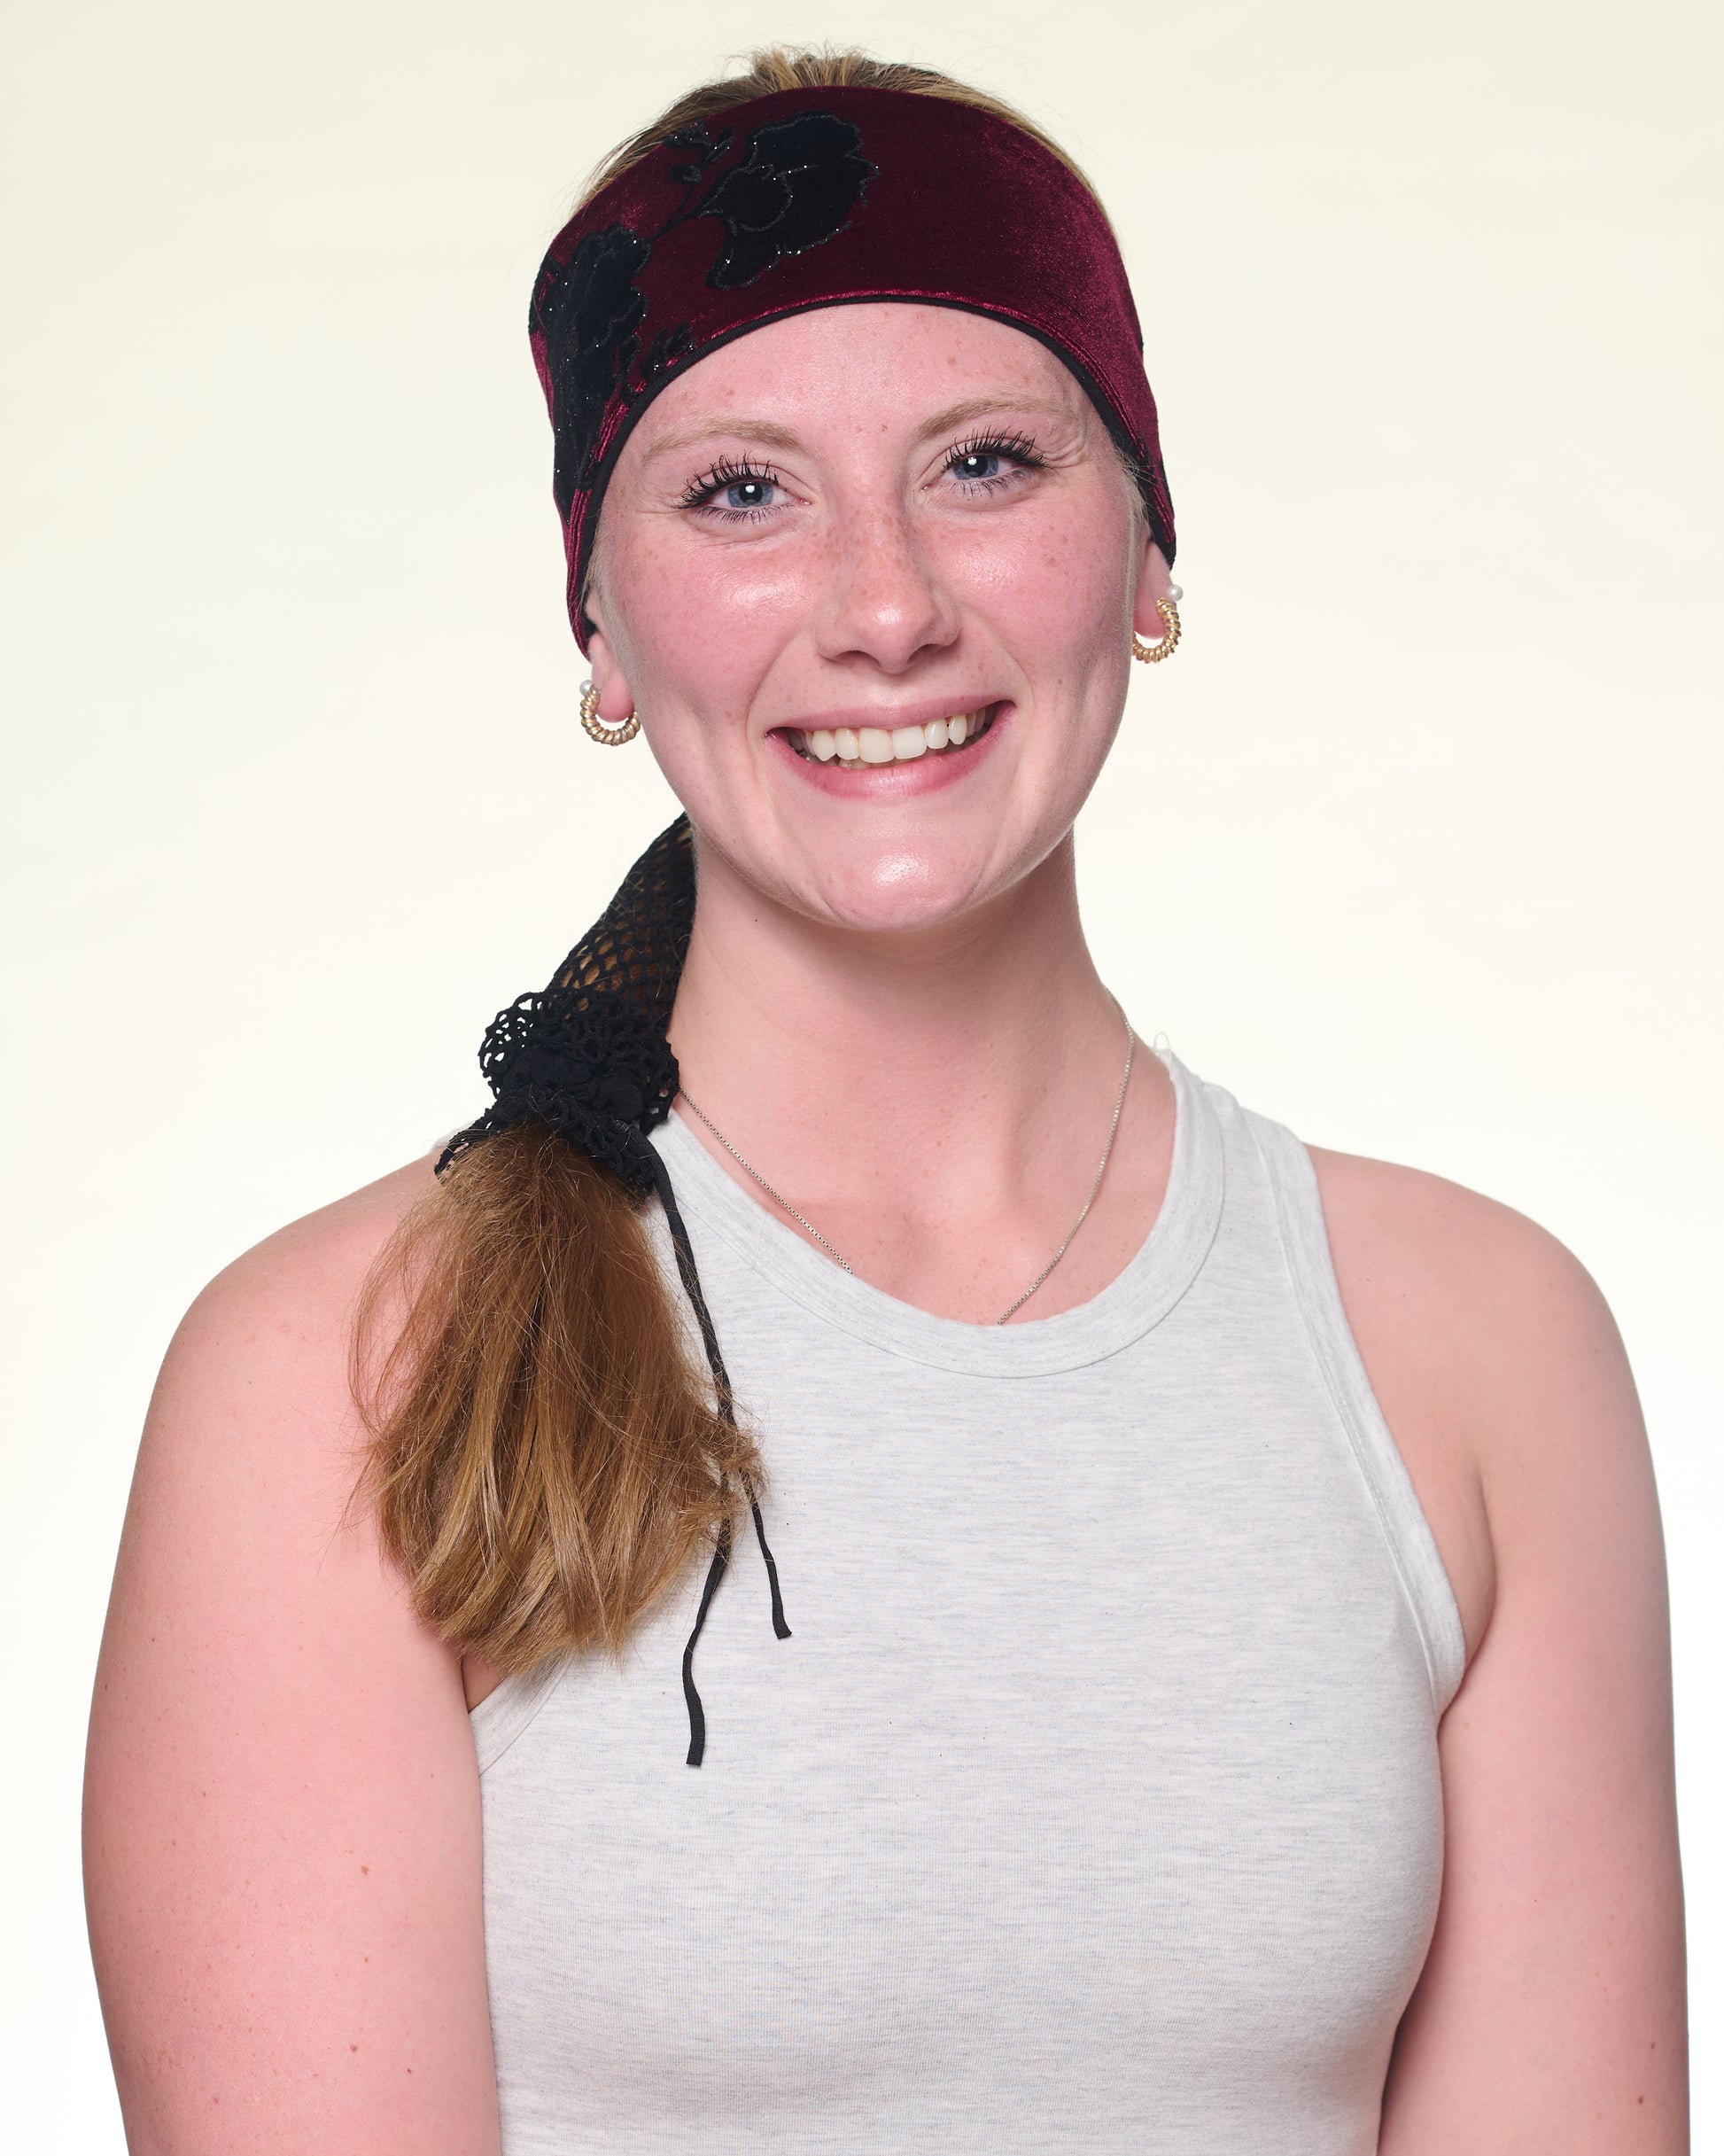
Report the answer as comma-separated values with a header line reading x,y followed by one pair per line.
x,y
933,1075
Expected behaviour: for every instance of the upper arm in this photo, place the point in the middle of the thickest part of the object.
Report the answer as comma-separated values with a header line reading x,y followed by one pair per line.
x,y
282,1829
1551,2012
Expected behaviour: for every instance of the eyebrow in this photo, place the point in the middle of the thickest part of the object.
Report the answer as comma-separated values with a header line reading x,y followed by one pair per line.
x,y
773,435
766,431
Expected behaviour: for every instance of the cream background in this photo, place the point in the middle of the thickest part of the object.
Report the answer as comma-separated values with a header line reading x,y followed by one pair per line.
x,y
1414,846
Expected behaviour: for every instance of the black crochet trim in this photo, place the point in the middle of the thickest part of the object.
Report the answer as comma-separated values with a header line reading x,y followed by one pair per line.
x,y
588,1054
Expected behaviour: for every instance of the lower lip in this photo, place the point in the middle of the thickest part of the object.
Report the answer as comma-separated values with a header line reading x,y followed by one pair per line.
x,y
896,781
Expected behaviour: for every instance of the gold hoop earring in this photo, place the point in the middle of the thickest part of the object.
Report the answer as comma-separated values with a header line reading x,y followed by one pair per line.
x,y
608,736
1152,655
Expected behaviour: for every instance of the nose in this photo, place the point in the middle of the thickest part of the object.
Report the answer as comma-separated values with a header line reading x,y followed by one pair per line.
x,y
886,603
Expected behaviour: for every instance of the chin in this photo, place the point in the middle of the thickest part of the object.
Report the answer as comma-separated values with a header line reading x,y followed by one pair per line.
x,y
892,892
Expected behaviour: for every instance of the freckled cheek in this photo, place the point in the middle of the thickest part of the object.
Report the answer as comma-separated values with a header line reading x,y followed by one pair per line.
x,y
1052,592
693,616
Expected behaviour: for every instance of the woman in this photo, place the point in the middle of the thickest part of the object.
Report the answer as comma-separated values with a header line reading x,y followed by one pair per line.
x,y
1109,1736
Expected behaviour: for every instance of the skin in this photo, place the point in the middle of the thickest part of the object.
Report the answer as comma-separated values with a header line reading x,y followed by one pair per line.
x,y
889,1008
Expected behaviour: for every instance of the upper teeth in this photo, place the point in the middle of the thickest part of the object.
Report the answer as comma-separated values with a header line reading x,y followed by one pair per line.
x,y
855,746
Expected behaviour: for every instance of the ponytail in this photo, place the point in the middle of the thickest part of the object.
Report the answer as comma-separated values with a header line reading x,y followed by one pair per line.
x,y
547,1456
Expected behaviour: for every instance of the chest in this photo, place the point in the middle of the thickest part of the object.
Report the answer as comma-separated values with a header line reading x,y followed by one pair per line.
x,y
1103,1734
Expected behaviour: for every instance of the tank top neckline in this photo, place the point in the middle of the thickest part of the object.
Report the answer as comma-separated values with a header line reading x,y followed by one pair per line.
x,y
1137,1298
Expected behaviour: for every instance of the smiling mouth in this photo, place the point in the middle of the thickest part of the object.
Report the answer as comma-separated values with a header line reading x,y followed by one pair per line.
x,y
857,748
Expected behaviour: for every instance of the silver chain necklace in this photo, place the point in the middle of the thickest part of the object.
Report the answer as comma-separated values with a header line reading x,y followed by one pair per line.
x,y
844,1264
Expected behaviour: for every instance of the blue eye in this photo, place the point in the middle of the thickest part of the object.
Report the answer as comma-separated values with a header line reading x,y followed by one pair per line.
x,y
987,462
735,491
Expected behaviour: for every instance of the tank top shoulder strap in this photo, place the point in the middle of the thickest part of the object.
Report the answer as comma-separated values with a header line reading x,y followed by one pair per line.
x,y
1304,1238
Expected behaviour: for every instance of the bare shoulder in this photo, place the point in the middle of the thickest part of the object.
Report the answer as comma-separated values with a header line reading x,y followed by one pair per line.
x,y
282,1799
1493,1354
309,1273
1550,2012
1454,1240
1484,1302
1466,1284
254,1399
253,1443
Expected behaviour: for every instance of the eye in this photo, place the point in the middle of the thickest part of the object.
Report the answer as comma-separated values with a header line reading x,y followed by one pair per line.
x,y
746,494
734,492
988,462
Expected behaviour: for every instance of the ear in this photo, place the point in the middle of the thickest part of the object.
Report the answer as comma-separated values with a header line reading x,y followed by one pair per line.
x,y
1155,582
615,700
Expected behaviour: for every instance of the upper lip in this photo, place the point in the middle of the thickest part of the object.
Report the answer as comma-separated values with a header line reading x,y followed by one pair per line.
x,y
887,718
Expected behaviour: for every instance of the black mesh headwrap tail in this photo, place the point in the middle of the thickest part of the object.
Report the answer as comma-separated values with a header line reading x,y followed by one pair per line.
x,y
589,1055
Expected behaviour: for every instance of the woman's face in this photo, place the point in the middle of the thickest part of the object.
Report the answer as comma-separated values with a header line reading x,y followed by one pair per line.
x,y
844,530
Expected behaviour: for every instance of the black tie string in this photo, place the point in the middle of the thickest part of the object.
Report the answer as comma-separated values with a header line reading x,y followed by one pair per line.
x,y
715,1572
689,1273
778,1625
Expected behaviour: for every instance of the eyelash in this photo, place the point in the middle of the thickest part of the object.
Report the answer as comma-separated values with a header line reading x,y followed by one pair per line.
x,y
728,472
1019,447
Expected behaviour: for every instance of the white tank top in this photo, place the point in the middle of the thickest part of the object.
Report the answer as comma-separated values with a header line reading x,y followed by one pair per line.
x,y
1094,1804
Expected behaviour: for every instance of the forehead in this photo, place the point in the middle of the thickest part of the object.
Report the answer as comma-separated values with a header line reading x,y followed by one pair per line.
x,y
891,363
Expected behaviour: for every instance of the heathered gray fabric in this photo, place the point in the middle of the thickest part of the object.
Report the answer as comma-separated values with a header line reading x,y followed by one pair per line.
x,y
1094,1804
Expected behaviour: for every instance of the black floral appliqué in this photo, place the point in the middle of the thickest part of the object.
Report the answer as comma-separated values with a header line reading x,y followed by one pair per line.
x,y
796,187
589,311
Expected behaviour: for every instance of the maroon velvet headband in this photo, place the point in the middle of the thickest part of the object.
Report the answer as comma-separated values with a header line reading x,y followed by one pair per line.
x,y
814,198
